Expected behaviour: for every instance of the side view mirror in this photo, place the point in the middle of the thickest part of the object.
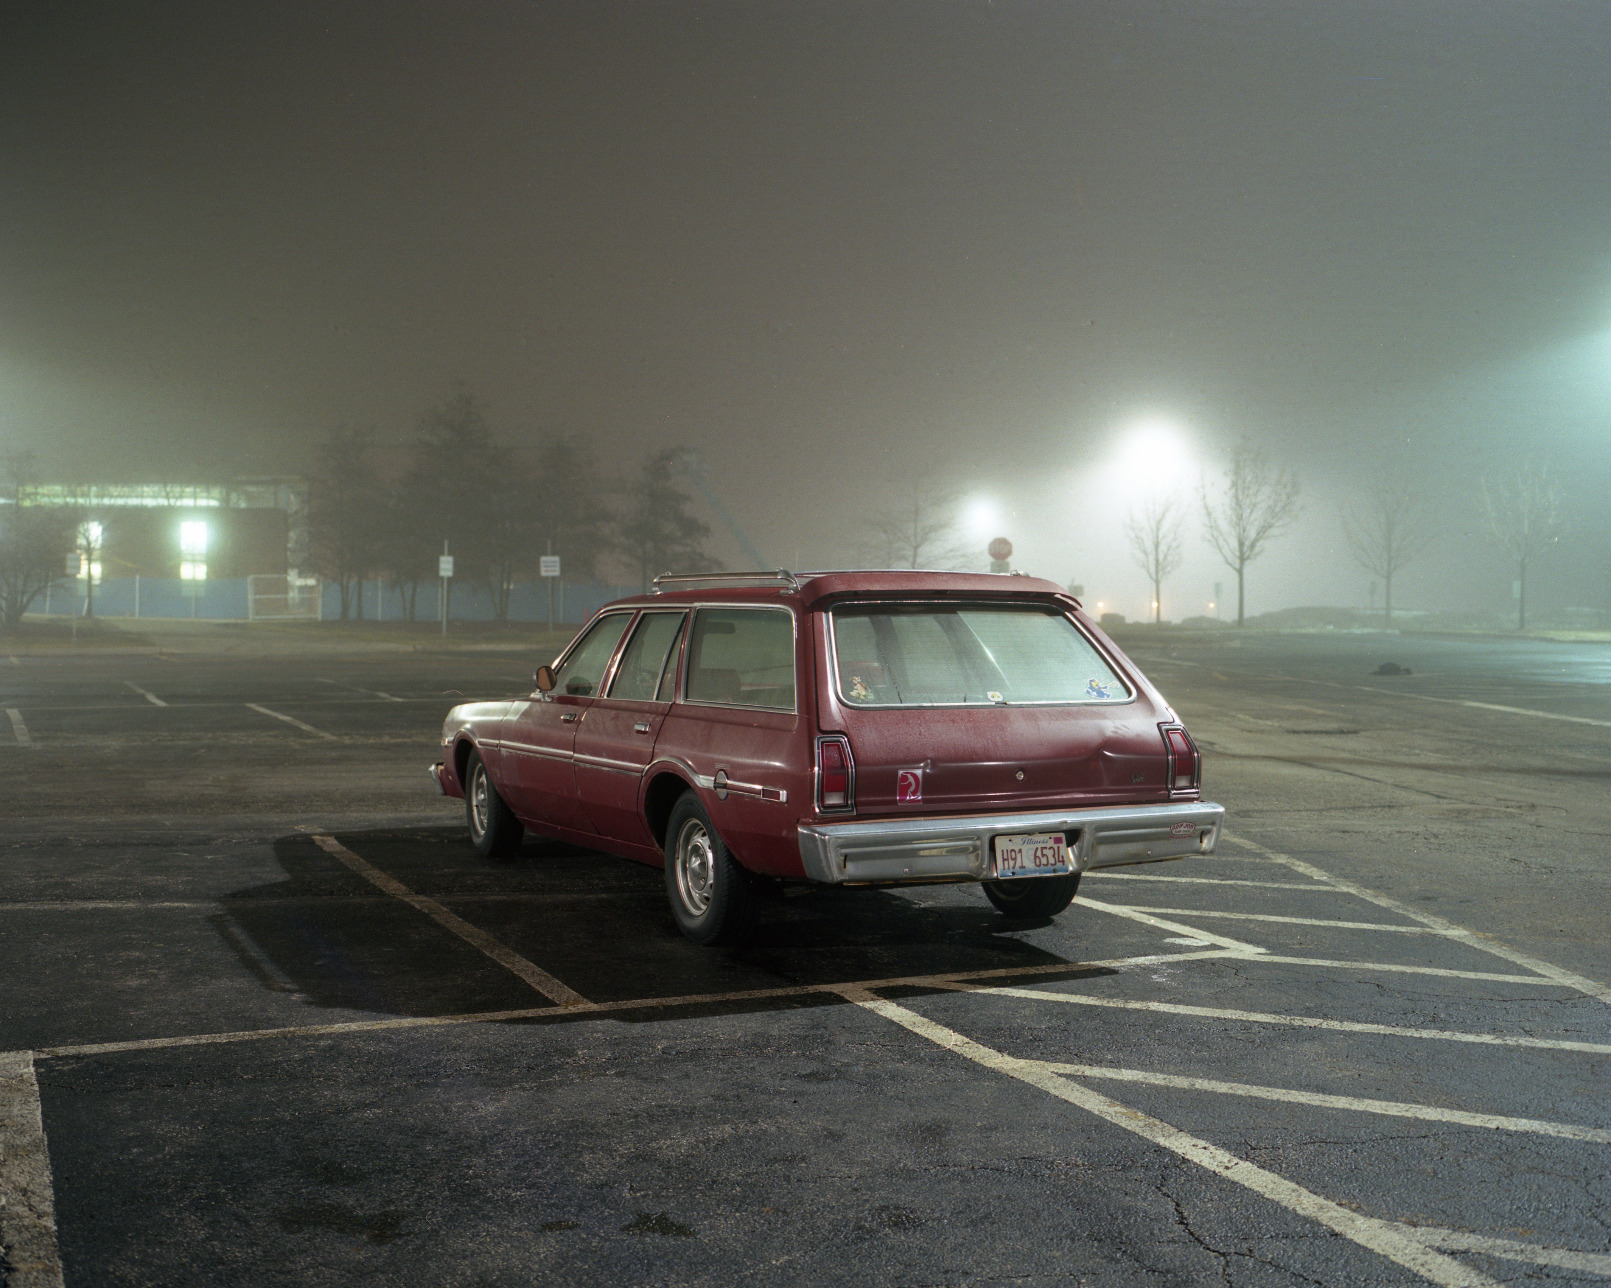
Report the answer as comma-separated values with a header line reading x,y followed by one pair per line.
x,y
545,678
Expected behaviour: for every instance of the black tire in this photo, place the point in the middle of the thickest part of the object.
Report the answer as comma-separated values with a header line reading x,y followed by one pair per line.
x,y
1033,898
494,830
713,899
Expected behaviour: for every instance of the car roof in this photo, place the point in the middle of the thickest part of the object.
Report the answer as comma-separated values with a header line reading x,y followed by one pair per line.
x,y
808,589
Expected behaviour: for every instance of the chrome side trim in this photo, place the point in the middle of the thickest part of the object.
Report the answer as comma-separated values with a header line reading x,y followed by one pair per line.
x,y
526,749
958,848
604,762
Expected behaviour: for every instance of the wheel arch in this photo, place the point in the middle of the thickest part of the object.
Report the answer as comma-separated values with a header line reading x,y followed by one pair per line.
x,y
660,797
461,759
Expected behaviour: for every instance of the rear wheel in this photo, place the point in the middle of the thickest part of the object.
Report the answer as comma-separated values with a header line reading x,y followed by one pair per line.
x,y
713,899
494,829
1033,898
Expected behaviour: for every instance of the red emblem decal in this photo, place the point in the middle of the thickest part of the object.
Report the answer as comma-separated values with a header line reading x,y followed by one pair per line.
x,y
909,785
1182,829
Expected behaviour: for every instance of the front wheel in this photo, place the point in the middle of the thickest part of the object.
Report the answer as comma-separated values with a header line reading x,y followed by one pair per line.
x,y
494,830
712,898
1033,898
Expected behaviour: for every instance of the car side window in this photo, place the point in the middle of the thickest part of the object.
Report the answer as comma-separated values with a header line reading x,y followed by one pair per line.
x,y
741,657
582,671
652,645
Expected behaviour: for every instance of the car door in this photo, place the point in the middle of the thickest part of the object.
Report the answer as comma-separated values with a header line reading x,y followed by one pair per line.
x,y
615,739
540,734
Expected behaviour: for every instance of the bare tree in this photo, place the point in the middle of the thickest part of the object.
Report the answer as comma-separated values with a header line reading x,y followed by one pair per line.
x,y
1156,541
1386,530
34,542
1522,511
918,532
1258,504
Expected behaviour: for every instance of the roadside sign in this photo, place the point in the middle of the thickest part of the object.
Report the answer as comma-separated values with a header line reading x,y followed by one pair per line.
x,y
549,565
1000,549
444,565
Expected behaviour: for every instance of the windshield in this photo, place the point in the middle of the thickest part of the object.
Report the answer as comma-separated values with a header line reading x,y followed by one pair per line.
x,y
906,655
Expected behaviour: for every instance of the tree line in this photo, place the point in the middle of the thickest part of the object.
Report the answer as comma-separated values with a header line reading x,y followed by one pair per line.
x,y
499,509
1390,526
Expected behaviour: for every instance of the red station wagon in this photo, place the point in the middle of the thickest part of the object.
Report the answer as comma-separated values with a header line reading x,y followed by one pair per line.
x,y
850,728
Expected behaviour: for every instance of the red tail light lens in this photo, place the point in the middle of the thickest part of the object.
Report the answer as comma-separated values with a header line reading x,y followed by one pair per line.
x,y
836,774
1184,765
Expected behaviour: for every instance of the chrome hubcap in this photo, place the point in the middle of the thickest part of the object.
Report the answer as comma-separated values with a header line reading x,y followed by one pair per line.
x,y
695,867
480,807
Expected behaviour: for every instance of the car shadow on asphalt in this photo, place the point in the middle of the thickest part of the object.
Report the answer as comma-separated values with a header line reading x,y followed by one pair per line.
x,y
598,923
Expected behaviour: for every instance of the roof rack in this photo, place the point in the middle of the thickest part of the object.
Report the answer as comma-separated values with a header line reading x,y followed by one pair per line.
x,y
782,578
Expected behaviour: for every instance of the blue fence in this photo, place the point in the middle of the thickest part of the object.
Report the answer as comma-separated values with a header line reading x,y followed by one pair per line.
x,y
225,599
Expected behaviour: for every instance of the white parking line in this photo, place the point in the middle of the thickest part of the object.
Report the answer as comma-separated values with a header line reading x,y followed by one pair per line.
x,y
1486,706
12,658
1291,1021
292,720
1296,921
385,697
150,697
591,1008
555,990
1356,1104
1330,963
27,1198
1566,978
18,728
1594,1263
1387,1238
1224,881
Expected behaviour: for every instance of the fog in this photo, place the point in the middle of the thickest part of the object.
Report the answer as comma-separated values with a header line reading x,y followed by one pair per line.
x,y
842,249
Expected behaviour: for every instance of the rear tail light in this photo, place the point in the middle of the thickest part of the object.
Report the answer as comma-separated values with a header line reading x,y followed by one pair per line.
x,y
1185,766
836,775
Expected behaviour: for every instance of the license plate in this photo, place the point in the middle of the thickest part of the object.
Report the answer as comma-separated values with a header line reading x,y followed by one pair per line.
x,y
1036,854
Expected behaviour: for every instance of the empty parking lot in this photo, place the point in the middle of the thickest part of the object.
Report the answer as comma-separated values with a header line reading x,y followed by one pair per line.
x,y
269,1019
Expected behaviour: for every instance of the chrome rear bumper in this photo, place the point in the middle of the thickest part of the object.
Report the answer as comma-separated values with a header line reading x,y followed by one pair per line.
x,y
435,771
958,849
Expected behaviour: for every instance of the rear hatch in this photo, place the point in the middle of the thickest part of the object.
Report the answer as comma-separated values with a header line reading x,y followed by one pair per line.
x,y
957,707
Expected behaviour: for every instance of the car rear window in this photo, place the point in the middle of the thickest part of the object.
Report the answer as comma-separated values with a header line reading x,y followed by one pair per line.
x,y
924,655
742,657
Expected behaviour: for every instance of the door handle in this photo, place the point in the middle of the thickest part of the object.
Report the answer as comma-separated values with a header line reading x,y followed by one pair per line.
x,y
641,727
570,717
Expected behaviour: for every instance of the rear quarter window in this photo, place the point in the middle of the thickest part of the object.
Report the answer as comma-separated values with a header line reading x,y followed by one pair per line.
x,y
742,657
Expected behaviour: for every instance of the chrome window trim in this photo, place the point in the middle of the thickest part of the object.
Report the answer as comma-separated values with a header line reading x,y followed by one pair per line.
x,y
626,643
608,677
682,661
833,663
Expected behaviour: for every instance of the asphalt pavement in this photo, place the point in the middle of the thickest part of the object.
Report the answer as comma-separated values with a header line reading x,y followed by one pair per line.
x,y
266,1018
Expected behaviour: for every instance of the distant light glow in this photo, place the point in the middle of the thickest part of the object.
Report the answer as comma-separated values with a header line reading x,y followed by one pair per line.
x,y
190,570
90,535
981,517
193,539
1155,455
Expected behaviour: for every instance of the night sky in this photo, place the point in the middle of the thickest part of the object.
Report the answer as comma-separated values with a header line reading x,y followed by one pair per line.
x,y
837,247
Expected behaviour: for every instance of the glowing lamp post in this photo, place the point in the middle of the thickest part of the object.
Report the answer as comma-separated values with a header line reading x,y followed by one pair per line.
x,y
193,560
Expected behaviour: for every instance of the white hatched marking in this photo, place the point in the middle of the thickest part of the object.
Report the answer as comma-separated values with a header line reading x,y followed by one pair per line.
x,y
1387,1238
1296,921
1565,978
150,697
555,990
1356,1104
27,1197
1197,935
1292,1021
18,728
292,720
